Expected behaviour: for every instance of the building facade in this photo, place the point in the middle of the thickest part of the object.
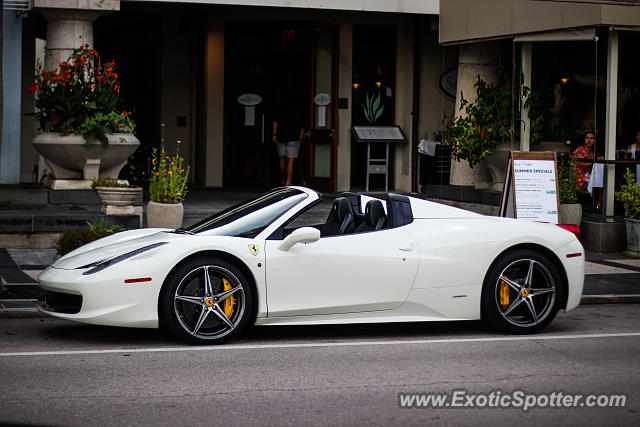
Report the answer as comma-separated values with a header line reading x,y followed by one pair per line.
x,y
217,74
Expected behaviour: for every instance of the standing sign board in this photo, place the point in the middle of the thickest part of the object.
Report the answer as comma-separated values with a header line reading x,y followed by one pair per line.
x,y
531,187
386,134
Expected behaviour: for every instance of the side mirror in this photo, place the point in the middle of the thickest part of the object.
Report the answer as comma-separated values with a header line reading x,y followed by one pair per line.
x,y
301,235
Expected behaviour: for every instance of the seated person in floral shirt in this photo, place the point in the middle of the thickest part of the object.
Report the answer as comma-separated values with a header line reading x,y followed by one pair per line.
x,y
585,151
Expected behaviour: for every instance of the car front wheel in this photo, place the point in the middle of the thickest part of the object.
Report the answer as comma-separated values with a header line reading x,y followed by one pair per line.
x,y
205,301
522,292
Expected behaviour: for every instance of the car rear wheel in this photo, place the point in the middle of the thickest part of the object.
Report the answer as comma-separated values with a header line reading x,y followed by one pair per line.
x,y
205,301
522,292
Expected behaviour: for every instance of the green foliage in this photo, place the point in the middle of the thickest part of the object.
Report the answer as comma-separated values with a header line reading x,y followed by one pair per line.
x,y
168,181
373,108
107,182
73,239
82,96
629,195
567,179
487,120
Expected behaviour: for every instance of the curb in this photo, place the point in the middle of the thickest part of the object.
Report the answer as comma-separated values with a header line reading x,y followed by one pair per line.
x,y
33,312
22,313
610,299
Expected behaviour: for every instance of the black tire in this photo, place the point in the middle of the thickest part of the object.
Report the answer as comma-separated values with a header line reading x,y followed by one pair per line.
x,y
516,304
202,313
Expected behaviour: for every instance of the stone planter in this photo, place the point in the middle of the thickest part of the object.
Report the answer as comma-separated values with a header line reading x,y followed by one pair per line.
x,y
633,238
75,163
570,213
119,200
164,215
496,165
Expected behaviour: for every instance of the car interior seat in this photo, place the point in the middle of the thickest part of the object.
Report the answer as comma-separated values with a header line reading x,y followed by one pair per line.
x,y
374,217
340,220
354,199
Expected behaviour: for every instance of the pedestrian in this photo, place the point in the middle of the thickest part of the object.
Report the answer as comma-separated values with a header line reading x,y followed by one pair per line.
x,y
288,130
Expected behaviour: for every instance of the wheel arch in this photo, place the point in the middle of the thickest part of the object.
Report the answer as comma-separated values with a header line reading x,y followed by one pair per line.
x,y
536,248
237,262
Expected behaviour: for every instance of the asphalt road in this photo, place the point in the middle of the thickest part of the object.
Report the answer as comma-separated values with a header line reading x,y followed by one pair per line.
x,y
59,373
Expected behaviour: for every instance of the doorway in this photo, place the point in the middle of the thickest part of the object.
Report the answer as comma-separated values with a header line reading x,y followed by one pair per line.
x,y
267,70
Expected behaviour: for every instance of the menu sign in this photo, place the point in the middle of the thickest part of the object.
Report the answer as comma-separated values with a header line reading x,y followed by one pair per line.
x,y
531,190
378,134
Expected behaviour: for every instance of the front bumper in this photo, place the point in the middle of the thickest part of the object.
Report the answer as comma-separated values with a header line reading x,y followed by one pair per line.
x,y
100,299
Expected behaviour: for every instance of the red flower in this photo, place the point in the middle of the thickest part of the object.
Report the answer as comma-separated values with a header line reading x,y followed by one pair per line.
x,y
33,88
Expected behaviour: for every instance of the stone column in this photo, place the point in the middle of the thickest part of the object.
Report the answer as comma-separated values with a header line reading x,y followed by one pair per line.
x,y
473,60
70,25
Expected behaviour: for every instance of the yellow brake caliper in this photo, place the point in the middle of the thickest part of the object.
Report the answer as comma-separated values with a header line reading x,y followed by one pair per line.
x,y
504,295
229,302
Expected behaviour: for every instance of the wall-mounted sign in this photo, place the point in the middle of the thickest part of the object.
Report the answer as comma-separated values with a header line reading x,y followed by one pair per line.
x,y
249,100
448,83
531,188
322,99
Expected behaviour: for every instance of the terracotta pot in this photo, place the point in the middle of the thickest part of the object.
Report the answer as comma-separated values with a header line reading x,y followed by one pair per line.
x,y
633,238
164,215
570,213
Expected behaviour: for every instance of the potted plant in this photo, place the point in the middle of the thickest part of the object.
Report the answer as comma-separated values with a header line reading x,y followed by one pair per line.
x,y
569,210
167,188
486,125
118,197
629,195
85,133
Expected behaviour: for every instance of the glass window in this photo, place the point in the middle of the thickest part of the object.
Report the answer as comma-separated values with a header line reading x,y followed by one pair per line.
x,y
249,218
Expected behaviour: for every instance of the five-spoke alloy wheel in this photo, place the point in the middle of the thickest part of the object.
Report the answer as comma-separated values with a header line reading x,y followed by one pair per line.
x,y
205,301
522,292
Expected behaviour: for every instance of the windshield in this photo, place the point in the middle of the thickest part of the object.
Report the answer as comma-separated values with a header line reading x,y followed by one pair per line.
x,y
248,219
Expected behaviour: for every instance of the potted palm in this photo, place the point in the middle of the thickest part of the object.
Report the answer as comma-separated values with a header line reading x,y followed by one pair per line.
x,y
629,195
85,134
569,210
167,188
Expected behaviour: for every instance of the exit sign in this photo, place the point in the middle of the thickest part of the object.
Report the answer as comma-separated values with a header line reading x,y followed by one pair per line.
x,y
288,35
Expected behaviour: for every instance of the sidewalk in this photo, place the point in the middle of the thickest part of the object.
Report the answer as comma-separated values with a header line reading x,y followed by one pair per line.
x,y
610,278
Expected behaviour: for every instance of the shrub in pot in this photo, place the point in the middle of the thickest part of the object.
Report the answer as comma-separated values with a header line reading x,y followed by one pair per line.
x,y
629,195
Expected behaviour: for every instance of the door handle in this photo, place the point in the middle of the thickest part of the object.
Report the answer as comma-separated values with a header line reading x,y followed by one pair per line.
x,y
406,248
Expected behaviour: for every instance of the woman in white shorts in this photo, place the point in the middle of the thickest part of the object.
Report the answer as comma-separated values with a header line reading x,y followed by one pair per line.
x,y
285,132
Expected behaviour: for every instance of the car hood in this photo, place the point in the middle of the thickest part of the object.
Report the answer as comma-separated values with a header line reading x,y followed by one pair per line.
x,y
111,247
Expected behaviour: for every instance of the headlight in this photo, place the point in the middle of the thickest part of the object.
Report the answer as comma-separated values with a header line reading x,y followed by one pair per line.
x,y
102,264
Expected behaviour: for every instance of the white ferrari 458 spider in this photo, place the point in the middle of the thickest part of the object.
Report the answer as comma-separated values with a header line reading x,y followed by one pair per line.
x,y
268,262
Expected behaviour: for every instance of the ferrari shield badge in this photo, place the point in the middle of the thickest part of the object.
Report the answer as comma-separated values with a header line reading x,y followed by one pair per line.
x,y
254,249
